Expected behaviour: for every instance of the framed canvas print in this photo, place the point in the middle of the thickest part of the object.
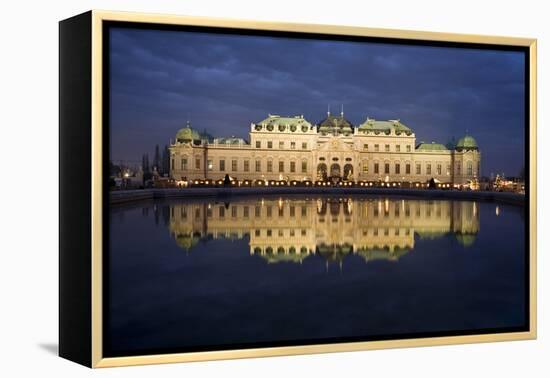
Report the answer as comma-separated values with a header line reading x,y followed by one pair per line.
x,y
235,189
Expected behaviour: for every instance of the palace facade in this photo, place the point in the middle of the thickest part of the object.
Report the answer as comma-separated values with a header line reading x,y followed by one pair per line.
x,y
292,148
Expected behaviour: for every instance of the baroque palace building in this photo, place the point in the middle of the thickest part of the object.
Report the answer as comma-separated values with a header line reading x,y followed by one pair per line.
x,y
291,148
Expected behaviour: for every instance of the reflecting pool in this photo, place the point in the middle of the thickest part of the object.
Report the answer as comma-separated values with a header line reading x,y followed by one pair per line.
x,y
240,272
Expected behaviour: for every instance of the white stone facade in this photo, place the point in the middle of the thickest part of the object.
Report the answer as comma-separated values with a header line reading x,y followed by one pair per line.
x,y
291,148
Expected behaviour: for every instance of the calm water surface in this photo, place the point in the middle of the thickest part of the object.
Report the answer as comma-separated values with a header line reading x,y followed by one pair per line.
x,y
206,274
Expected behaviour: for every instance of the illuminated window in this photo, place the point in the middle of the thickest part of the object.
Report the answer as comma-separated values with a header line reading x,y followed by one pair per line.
x,y
184,164
210,165
365,167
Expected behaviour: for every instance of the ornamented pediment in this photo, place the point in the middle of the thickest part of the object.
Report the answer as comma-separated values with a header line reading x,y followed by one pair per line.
x,y
336,144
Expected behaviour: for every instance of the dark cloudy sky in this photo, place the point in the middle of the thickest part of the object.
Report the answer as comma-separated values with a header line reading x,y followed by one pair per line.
x,y
222,83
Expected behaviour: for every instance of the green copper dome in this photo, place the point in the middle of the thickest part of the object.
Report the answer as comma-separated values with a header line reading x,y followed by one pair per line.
x,y
335,125
275,122
466,143
431,147
187,241
187,134
372,125
466,240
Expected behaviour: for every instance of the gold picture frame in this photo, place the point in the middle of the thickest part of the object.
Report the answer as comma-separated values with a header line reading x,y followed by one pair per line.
x,y
92,22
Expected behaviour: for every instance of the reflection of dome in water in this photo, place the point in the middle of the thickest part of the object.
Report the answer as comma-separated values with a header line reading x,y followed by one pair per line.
x,y
382,254
466,239
334,252
430,235
279,258
279,255
187,241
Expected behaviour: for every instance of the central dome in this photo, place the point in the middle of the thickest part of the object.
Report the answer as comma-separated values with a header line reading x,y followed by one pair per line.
x,y
335,125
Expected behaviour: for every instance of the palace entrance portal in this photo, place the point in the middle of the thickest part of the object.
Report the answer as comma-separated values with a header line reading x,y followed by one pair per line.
x,y
335,171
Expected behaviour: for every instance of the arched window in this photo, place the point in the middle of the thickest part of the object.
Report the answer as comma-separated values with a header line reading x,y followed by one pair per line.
x,y
322,171
469,168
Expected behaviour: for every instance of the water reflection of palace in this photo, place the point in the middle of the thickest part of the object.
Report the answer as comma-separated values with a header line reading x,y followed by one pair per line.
x,y
291,230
